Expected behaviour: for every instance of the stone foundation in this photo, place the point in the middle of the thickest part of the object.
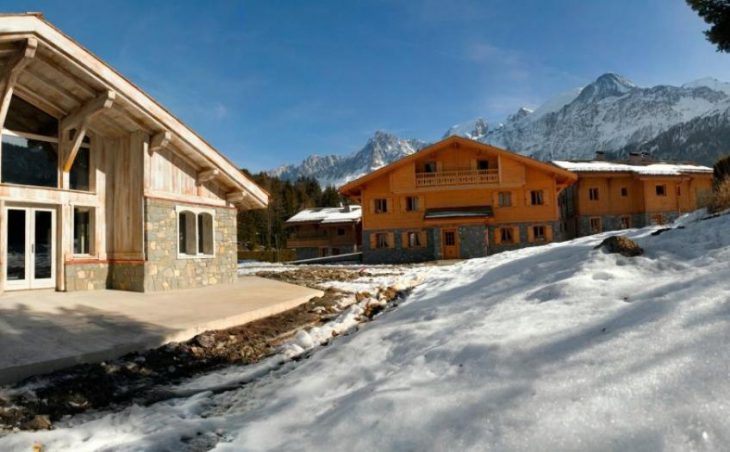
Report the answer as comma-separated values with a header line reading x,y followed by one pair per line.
x,y
86,276
127,276
164,270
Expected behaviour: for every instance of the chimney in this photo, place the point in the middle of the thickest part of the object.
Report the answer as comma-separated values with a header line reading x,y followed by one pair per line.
x,y
600,156
635,157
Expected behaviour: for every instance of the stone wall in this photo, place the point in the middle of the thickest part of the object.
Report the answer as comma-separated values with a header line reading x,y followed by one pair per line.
x,y
127,276
86,276
472,241
306,253
165,271
398,254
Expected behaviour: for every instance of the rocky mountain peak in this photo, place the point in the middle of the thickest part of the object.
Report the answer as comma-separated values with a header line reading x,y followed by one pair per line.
x,y
607,85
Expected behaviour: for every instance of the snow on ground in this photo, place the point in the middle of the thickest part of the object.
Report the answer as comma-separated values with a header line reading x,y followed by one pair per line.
x,y
560,347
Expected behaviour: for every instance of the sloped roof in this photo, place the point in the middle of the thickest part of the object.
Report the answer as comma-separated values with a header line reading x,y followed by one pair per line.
x,y
643,169
328,215
353,186
52,41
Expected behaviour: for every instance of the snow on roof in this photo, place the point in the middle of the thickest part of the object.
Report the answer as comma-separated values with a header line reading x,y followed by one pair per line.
x,y
648,169
327,215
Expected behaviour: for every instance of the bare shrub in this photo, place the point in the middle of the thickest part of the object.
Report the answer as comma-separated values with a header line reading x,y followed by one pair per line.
x,y
720,196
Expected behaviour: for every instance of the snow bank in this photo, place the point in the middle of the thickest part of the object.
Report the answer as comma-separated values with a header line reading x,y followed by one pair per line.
x,y
560,347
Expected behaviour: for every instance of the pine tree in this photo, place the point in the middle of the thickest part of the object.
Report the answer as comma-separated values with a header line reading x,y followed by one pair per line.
x,y
717,14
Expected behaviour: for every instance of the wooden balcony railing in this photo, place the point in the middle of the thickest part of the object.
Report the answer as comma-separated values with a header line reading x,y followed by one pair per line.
x,y
457,177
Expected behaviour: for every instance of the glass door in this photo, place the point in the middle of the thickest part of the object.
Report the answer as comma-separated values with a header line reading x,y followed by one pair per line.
x,y
30,248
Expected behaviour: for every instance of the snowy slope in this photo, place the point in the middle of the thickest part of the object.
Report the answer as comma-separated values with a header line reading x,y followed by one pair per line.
x,y
559,347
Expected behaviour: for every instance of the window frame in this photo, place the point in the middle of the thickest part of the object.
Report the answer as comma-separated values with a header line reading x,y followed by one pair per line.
x,y
486,165
625,221
416,243
543,235
197,212
540,195
501,196
375,206
427,167
593,194
91,230
412,201
378,236
663,188
598,221
624,192
506,235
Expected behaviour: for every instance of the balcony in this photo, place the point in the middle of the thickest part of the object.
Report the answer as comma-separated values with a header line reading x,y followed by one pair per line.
x,y
457,177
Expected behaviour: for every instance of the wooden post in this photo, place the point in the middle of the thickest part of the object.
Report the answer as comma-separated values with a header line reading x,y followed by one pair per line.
x,y
3,229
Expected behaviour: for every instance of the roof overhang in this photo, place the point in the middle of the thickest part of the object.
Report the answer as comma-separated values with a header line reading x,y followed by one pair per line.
x,y
141,110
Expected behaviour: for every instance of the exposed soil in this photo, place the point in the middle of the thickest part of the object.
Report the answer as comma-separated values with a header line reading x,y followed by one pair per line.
x,y
135,378
314,276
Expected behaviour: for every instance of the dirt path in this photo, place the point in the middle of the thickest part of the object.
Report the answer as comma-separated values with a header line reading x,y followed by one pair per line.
x,y
135,378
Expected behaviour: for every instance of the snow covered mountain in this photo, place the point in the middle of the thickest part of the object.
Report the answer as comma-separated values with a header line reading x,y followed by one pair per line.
x,y
381,149
613,114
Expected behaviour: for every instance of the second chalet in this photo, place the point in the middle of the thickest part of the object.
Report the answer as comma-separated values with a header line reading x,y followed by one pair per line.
x,y
455,199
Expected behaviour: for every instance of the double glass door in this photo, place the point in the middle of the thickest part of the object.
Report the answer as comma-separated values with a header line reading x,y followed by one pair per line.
x,y
29,248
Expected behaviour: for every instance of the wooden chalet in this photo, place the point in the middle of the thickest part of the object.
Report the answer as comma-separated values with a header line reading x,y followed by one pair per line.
x,y
457,198
325,231
100,185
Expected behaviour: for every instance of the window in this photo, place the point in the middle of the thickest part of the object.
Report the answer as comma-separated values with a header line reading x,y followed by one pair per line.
x,y
80,171
661,190
482,165
29,146
595,224
538,232
536,198
429,167
381,240
340,231
504,198
624,191
83,220
195,232
381,205
414,240
506,235
450,238
412,204
625,222
593,194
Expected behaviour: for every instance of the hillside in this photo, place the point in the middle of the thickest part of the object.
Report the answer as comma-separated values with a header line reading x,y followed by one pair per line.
x,y
557,347
612,114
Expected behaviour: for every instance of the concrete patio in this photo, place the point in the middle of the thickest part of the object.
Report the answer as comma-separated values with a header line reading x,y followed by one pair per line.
x,y
42,331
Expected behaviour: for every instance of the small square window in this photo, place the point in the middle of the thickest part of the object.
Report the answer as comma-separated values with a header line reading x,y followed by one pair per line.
x,y
624,191
505,199
340,231
536,197
381,240
593,194
661,190
381,205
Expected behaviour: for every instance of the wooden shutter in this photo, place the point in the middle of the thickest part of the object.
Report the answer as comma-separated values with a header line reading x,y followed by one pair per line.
x,y
516,234
423,238
530,234
497,235
404,240
373,238
548,233
391,240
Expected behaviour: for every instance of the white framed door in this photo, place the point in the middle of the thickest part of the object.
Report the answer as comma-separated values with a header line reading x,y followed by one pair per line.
x,y
30,248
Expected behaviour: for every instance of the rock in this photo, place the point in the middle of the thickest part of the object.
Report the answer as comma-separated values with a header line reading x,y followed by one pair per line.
x,y
39,422
621,245
360,296
205,340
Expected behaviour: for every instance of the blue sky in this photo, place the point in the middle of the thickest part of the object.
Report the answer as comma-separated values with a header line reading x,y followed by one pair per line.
x,y
270,82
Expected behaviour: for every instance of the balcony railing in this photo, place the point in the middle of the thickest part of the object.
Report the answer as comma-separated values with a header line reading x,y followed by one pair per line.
x,y
457,177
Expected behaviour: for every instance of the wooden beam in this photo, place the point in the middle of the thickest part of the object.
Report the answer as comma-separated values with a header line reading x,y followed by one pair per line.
x,y
13,70
235,197
207,175
87,111
160,141
74,146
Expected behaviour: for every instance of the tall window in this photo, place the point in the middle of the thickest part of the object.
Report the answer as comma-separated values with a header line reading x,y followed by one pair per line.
x,y
79,176
381,205
381,240
83,221
536,198
195,233
414,240
593,194
505,199
538,232
506,235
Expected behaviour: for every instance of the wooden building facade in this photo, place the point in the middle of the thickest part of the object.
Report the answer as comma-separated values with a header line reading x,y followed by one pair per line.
x,y
612,195
101,186
457,198
325,231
